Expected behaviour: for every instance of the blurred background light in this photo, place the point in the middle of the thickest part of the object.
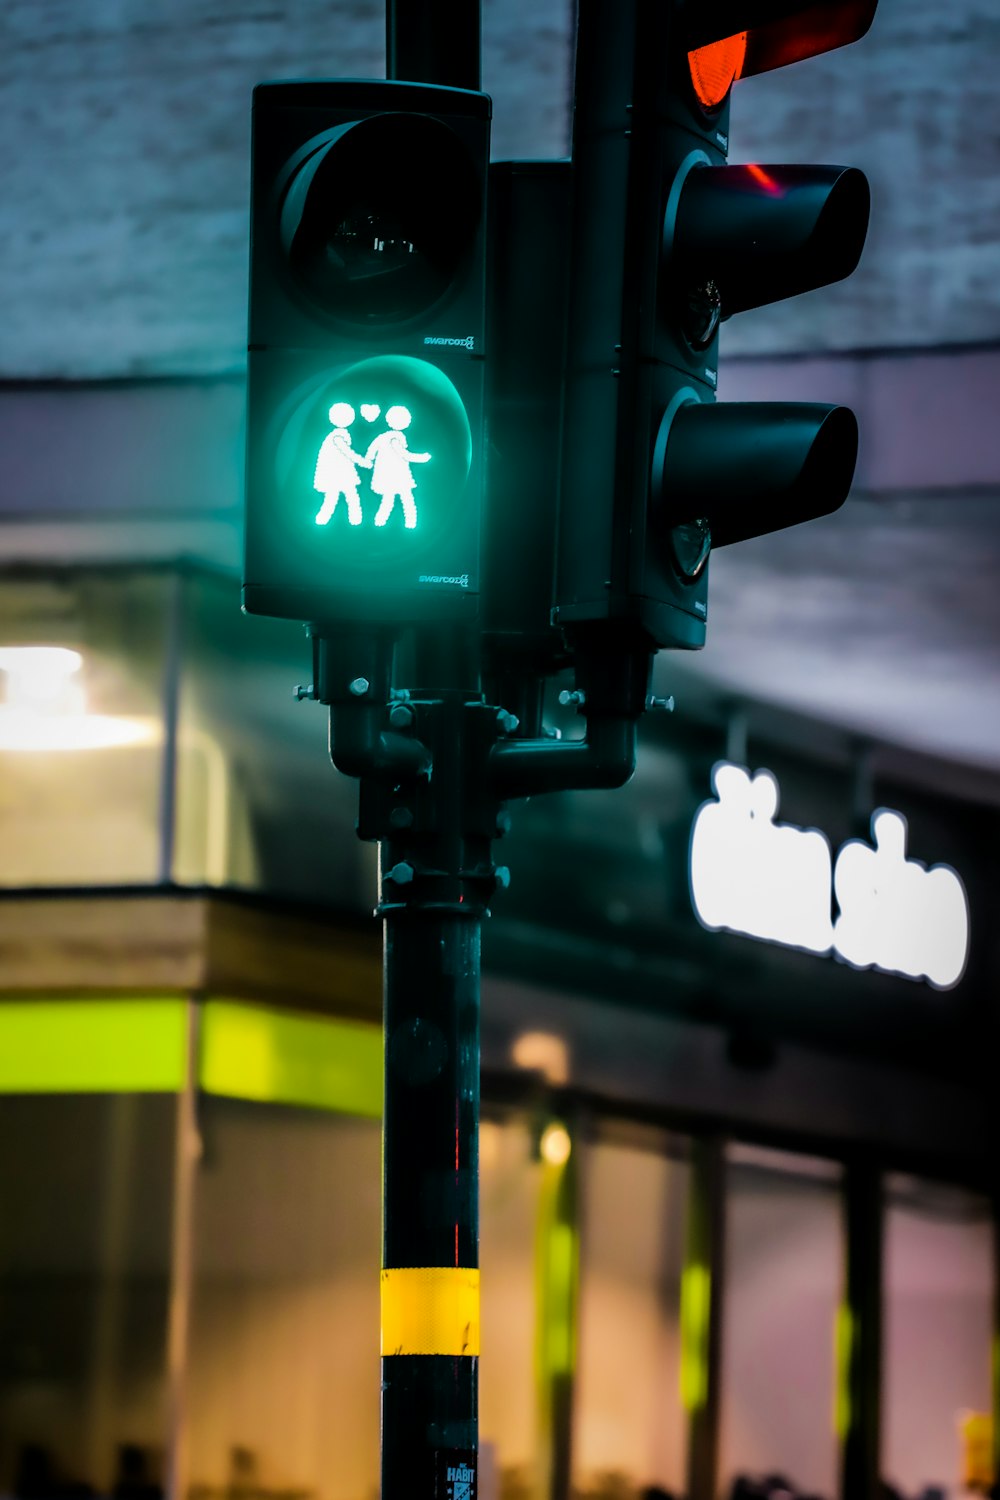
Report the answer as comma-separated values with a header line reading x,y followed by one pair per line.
x,y
555,1145
45,705
542,1052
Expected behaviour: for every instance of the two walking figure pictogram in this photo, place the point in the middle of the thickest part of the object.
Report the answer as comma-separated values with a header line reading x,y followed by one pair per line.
x,y
388,456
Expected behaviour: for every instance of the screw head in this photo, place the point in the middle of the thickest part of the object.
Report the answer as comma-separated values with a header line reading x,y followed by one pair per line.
x,y
359,687
508,722
401,874
502,873
401,716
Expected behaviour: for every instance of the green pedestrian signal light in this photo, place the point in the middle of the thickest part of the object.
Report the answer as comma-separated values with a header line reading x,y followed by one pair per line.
x,y
389,455
370,471
367,333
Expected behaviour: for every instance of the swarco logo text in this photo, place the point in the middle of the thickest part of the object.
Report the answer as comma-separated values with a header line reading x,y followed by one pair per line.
x,y
462,579
467,343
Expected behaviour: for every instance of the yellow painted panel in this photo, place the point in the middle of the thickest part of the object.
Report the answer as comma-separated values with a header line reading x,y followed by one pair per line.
x,y
93,1046
278,1057
430,1310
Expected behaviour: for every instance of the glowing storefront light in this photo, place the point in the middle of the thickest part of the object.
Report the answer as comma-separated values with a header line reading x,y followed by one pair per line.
x,y
773,881
45,705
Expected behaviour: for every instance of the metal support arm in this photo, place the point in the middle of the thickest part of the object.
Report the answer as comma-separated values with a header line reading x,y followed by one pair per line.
x,y
613,687
604,759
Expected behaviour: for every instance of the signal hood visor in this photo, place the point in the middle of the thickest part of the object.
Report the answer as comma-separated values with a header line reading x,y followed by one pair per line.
x,y
779,32
766,233
749,468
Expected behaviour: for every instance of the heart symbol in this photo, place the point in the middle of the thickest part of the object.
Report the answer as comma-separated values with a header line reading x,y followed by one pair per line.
x,y
370,413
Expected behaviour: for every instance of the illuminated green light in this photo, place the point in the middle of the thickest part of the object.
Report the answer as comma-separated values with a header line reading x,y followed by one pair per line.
x,y
275,1057
557,1263
388,456
696,1309
93,1046
561,1278
370,477
843,1353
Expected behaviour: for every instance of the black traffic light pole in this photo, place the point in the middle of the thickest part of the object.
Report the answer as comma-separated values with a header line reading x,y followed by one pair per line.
x,y
435,762
435,875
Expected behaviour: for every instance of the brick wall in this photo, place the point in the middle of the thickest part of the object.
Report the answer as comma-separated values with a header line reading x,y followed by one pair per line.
x,y
123,190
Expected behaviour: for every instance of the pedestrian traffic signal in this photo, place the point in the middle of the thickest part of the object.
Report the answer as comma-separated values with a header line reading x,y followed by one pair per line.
x,y
667,242
365,380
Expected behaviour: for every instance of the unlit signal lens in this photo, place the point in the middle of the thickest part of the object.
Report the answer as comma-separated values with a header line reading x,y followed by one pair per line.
x,y
715,68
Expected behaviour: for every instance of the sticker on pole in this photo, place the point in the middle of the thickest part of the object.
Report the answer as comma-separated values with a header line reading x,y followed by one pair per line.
x,y
456,1474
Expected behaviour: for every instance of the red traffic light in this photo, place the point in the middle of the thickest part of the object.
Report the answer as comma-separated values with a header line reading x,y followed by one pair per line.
x,y
737,38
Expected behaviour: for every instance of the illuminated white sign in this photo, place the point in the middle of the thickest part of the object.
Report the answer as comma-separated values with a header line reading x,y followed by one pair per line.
x,y
776,882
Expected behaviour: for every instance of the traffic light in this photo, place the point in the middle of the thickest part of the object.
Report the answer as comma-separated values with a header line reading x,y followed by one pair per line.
x,y
667,242
366,351
528,307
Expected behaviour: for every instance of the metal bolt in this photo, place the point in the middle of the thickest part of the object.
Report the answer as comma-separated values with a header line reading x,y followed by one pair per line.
x,y
401,874
664,705
359,687
303,690
548,733
508,722
401,716
575,699
503,823
502,874
399,695
401,817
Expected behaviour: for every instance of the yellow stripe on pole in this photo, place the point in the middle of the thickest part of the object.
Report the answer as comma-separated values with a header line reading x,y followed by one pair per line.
x,y
430,1310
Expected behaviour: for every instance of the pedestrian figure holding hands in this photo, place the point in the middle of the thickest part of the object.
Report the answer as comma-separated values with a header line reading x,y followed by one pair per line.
x,y
390,457
337,467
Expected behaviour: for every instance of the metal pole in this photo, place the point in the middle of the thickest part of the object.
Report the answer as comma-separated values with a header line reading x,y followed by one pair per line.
x,y
430,1238
862,1334
186,1154
434,41
434,885
172,653
422,757
701,1315
436,875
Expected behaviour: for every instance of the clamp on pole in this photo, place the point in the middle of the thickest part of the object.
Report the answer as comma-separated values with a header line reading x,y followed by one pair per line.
x,y
352,674
612,692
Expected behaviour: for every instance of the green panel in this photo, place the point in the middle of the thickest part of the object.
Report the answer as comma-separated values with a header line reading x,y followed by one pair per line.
x,y
92,1046
279,1058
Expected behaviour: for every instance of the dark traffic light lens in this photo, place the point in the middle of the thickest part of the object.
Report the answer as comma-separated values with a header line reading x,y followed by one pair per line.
x,y
379,217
